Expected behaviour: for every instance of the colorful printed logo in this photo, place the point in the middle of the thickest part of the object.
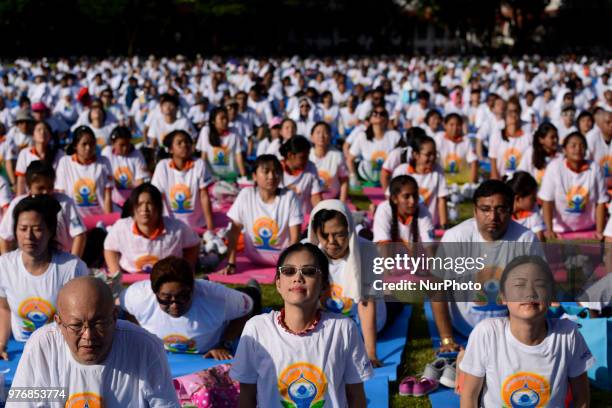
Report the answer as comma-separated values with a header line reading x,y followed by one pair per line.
x,y
334,301
145,263
377,159
34,312
325,178
605,163
265,232
488,297
525,390
177,343
123,178
220,156
180,199
539,175
302,385
84,400
424,195
577,199
512,158
452,163
85,193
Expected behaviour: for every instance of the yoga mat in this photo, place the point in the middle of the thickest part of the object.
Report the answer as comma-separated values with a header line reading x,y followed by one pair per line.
x,y
375,194
577,235
390,345
107,219
129,278
444,398
14,349
433,329
183,364
377,392
245,270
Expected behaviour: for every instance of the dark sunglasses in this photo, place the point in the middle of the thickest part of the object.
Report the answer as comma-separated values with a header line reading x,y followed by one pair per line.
x,y
306,271
180,299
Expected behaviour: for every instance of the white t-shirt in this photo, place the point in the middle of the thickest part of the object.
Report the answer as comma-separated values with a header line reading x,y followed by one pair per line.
x,y
27,156
455,156
160,128
575,195
432,186
85,183
222,159
600,152
530,219
126,171
140,253
394,159
382,225
526,164
465,240
7,150
374,151
6,196
269,147
608,230
292,370
198,330
508,153
69,223
181,188
266,226
331,169
32,298
305,184
517,375
134,374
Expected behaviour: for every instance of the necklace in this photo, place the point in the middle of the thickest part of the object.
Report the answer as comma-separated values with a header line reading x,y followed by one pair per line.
x,y
307,330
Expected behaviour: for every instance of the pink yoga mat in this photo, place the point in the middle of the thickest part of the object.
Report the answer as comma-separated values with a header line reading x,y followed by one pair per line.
x,y
129,278
375,194
246,270
107,219
578,235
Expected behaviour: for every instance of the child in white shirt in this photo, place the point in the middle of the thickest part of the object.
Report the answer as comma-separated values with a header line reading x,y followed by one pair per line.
x,y
299,174
545,149
525,359
526,211
457,156
329,162
507,147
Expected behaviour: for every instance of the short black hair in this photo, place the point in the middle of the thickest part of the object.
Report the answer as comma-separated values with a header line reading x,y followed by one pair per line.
x,y
265,159
297,144
320,258
492,187
324,215
523,184
132,201
172,269
39,168
173,99
45,205
169,138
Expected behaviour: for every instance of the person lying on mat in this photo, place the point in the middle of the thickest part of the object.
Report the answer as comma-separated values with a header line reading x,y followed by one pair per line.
x,y
190,315
492,235
331,229
70,235
100,360
134,244
32,275
269,217
301,356
525,359
574,192
85,177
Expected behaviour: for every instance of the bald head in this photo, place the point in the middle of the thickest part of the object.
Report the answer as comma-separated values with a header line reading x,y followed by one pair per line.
x,y
85,291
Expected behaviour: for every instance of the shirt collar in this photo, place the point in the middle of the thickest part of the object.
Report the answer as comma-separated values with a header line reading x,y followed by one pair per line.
x,y
583,167
75,158
188,165
287,170
157,232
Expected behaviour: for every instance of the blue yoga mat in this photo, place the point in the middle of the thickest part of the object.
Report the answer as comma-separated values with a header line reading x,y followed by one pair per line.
x,y
377,392
433,329
14,349
391,343
444,398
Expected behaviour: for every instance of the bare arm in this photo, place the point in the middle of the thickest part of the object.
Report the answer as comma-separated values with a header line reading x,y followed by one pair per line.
x,y
385,179
600,220
20,187
355,395
472,386
344,187
444,325
294,233
108,202
240,164
248,396
232,240
548,208
580,391
5,327
367,317
608,253
350,163
6,246
111,258
443,211
207,208
315,198
9,166
78,244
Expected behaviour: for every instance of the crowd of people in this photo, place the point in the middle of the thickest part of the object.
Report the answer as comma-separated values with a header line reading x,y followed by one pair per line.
x,y
162,142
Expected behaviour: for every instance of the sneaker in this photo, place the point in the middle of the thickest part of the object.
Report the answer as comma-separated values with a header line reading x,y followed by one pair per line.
x,y
449,375
406,387
424,386
434,370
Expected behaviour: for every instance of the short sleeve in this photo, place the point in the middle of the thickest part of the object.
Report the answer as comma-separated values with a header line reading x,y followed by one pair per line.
x,y
244,368
81,268
393,160
237,304
158,177
442,187
20,166
547,188
493,146
357,365
382,222
73,219
471,156
107,174
158,388
356,149
601,189
474,360
581,359
130,297
237,212
189,238
316,184
142,172
112,242
60,175
295,210
204,178
33,369
6,226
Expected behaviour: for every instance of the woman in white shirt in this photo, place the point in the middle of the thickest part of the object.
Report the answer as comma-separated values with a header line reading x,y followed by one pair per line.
x,y
301,356
32,275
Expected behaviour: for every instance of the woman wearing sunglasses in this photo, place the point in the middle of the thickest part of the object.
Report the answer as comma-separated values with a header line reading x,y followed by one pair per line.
x,y
301,356
189,315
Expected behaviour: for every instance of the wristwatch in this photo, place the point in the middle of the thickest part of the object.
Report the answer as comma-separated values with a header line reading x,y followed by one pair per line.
x,y
447,340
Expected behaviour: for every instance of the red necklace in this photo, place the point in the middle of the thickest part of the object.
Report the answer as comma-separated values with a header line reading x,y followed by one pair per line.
x,y
306,331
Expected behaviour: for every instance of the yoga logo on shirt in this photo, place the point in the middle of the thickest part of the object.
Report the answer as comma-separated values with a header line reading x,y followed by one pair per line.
x,y
220,156
424,195
577,199
334,301
178,343
377,159
525,390
488,297
85,192
325,178
265,232
180,199
84,400
605,163
123,178
34,312
512,157
539,175
452,163
145,263
302,385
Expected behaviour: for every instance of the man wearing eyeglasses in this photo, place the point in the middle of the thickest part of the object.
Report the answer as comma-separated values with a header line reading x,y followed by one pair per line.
x,y
100,360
